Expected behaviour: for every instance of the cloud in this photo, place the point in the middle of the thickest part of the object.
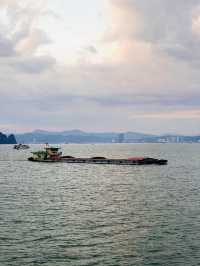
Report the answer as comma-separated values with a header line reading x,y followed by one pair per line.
x,y
8,3
124,21
189,114
21,39
91,49
30,43
144,65
151,44
168,26
34,65
18,30
6,47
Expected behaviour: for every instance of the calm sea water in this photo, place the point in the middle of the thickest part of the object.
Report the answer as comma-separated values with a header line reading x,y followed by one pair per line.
x,y
70,214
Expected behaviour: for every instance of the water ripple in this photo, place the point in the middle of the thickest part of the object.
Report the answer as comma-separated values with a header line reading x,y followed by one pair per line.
x,y
58,215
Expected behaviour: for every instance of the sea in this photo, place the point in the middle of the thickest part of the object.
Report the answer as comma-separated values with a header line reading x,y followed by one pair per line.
x,y
108,215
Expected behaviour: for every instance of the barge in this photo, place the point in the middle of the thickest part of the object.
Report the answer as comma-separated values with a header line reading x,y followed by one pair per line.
x,y
52,155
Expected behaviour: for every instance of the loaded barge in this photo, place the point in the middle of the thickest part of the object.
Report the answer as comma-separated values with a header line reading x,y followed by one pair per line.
x,y
52,154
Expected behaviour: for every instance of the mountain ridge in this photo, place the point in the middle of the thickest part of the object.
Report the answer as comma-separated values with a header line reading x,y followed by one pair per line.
x,y
79,136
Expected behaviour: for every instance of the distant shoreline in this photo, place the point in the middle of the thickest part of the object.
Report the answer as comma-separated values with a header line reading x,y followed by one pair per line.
x,y
81,137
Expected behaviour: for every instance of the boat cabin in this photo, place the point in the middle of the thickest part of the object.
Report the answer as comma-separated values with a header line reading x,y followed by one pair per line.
x,y
52,151
48,153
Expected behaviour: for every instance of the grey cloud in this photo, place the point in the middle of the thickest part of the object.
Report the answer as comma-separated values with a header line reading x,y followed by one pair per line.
x,y
166,20
40,37
91,49
6,47
65,111
140,102
144,100
182,53
34,65
19,30
167,25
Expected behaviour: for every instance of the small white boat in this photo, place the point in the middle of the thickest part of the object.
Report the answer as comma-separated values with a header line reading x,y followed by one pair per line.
x,y
21,147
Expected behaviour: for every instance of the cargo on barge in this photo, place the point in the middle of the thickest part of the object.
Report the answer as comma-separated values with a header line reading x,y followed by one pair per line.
x,y
52,155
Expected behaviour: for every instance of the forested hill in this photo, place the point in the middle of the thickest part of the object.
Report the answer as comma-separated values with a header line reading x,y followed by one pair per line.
x,y
7,139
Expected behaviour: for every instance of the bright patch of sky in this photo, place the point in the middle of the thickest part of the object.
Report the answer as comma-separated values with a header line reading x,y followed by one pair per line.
x,y
73,26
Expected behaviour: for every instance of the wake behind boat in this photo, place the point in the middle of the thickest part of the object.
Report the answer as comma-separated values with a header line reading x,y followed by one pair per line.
x,y
52,154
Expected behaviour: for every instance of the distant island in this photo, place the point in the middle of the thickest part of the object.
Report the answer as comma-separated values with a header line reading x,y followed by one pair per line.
x,y
78,136
4,139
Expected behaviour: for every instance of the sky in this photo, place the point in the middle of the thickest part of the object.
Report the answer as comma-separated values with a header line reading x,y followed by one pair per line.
x,y
100,65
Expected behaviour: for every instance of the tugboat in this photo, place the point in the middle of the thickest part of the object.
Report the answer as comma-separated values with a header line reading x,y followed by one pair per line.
x,y
21,146
49,154
52,154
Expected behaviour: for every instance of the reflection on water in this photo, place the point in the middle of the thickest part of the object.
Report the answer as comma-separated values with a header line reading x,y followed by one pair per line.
x,y
70,214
